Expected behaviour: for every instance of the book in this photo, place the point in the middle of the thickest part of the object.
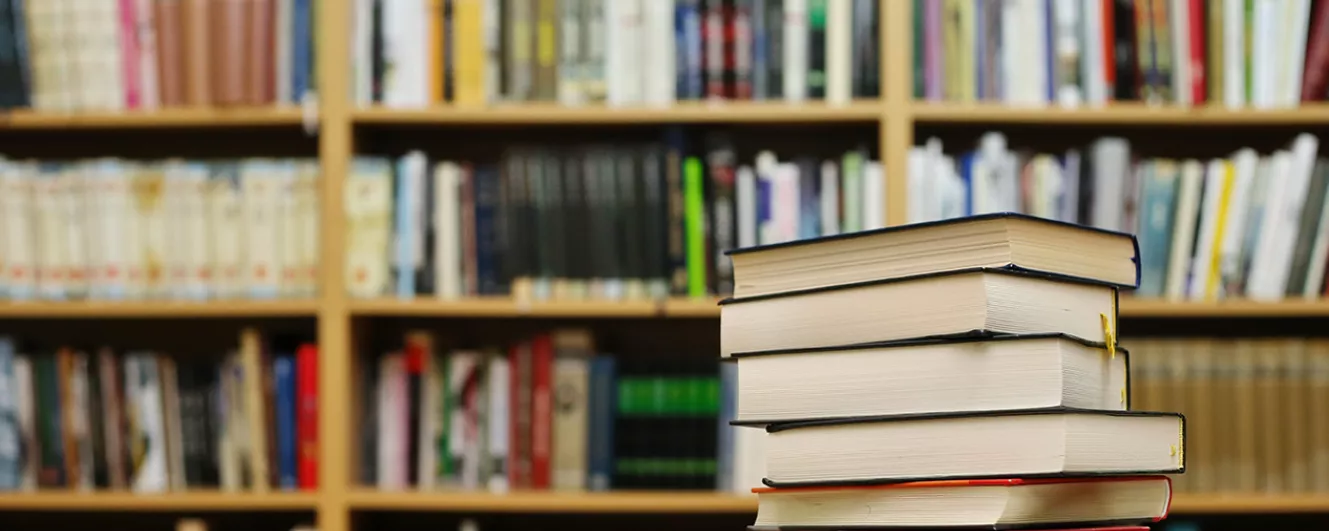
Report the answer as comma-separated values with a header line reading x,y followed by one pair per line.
x,y
994,503
930,376
955,303
1052,442
1011,241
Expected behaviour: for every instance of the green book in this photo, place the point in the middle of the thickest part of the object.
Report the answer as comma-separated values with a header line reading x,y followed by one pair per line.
x,y
694,224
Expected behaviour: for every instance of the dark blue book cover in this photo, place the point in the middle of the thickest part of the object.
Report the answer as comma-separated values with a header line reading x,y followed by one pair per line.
x,y
283,375
600,446
302,44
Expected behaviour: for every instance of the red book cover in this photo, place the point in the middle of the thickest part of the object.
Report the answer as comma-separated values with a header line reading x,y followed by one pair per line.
x,y
129,61
542,377
1195,18
1109,48
306,415
1315,81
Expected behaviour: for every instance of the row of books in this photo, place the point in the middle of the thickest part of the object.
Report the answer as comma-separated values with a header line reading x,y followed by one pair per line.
x,y
600,222
549,412
145,54
148,422
416,53
1248,225
1236,53
1259,409
176,229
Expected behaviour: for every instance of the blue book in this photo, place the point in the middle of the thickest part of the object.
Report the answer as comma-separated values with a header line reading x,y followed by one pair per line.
x,y
283,376
688,16
724,448
760,74
487,198
1158,200
600,440
302,47
10,459
967,177
407,201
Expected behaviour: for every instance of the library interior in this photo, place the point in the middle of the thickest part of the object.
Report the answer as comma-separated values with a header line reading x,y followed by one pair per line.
x,y
497,265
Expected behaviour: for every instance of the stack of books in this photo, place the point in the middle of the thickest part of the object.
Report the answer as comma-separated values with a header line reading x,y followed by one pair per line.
x,y
962,373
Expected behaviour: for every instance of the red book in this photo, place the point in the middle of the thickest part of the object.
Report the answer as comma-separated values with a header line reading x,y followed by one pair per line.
x,y
1195,19
1316,79
306,415
542,418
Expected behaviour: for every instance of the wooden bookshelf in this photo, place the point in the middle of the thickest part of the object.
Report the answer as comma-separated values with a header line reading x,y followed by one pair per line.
x,y
1116,114
555,502
157,309
683,112
209,117
1249,503
184,501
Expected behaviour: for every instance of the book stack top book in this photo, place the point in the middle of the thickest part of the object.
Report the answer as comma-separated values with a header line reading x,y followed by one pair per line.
x,y
957,374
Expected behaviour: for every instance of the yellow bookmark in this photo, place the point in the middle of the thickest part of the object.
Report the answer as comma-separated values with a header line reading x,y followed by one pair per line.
x,y
1110,328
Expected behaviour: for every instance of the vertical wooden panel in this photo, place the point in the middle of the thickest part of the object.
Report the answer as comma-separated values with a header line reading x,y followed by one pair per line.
x,y
335,147
897,126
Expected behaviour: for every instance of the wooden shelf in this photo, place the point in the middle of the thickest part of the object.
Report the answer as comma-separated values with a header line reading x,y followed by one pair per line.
x,y
157,309
1231,308
1249,503
206,117
184,501
1119,114
555,502
720,112
507,307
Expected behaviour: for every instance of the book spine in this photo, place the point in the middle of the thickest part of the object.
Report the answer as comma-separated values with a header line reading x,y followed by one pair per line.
x,y
11,449
713,39
306,358
694,219
816,49
302,49
1315,81
542,361
283,372
741,54
600,443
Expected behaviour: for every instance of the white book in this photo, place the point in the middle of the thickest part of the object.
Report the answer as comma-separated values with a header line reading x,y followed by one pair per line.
x,y
1112,166
391,394
1091,62
658,51
368,211
49,243
830,198
749,460
1022,27
72,217
1244,164
570,39
447,225
497,440
1234,53
173,198
289,250
310,235
281,67
953,190
146,33
260,185
874,195
118,220
623,52
1260,283
839,43
1264,54
1181,52
432,387
1299,13
154,242
1211,223
111,72
795,50
851,192
1288,209
1183,231
362,52
406,79
227,225
92,214
767,166
195,245
745,192
151,475
920,200
25,406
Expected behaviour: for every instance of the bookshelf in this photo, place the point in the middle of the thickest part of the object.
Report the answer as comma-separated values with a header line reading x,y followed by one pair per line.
x,y
340,124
